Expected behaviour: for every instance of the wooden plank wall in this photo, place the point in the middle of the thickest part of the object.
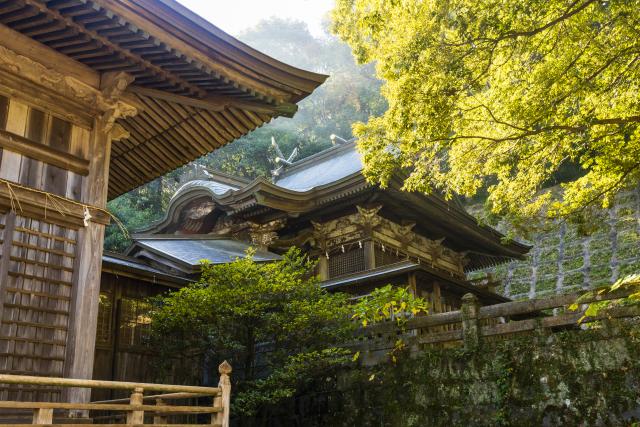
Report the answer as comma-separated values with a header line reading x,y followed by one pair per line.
x,y
38,256
120,351
51,131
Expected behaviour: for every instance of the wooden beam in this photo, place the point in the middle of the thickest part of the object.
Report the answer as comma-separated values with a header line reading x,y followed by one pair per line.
x,y
209,105
217,103
37,151
39,206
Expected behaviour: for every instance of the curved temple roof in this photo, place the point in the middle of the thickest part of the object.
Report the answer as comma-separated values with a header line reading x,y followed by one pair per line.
x,y
334,176
195,87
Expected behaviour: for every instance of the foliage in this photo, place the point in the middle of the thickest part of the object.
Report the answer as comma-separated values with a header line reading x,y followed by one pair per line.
x,y
630,283
388,303
350,94
505,95
139,208
270,320
571,378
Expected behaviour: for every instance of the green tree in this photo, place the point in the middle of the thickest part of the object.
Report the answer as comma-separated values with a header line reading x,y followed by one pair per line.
x,y
503,95
272,321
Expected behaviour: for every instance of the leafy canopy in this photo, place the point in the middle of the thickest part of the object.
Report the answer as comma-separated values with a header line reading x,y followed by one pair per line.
x,y
272,321
503,95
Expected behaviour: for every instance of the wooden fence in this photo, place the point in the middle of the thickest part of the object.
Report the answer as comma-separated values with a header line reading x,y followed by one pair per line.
x,y
472,324
133,408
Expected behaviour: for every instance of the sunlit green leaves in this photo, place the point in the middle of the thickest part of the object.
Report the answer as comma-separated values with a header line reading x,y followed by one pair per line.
x,y
501,95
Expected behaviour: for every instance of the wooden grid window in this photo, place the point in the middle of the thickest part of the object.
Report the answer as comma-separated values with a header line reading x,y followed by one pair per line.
x,y
135,322
386,257
351,261
105,310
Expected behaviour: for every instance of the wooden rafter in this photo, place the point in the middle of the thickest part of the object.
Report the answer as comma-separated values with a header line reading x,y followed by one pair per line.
x,y
118,51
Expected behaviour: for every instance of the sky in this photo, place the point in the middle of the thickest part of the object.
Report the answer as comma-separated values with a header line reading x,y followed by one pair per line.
x,y
236,15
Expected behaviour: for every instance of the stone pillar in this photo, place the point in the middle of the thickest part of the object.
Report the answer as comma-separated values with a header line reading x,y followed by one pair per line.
x,y
470,324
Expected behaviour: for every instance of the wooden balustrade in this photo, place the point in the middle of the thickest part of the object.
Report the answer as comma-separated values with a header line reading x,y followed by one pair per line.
x,y
472,324
135,407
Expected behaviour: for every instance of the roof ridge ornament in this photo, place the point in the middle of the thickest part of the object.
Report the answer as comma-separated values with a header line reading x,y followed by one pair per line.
x,y
280,160
338,140
196,172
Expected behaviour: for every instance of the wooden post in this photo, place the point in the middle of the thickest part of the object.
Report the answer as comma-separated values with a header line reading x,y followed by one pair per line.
x,y
42,416
470,326
437,298
323,267
413,286
136,417
86,289
369,255
224,399
160,418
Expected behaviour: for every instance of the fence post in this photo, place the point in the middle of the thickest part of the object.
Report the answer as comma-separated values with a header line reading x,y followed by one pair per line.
x,y
470,325
160,418
224,399
136,417
42,416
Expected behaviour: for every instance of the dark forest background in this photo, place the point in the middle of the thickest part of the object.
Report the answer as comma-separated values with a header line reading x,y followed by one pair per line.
x,y
352,93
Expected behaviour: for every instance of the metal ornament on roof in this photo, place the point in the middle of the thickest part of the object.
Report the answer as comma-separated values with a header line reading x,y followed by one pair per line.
x,y
280,159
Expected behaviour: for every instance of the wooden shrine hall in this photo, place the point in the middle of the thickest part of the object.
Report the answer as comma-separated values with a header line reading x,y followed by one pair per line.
x,y
98,97
362,236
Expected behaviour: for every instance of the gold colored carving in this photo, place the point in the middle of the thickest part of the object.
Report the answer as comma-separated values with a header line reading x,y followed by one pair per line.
x,y
263,235
368,219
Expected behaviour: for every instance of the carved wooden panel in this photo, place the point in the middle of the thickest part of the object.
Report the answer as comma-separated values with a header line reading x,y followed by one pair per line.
x,y
37,302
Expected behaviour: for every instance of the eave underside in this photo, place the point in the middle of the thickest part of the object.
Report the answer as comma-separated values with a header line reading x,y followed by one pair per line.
x,y
214,94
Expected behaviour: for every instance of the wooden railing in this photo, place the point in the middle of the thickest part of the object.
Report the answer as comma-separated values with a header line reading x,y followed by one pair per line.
x,y
472,323
135,407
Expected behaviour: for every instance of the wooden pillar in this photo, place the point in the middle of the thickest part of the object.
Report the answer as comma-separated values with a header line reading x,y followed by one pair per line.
x,y
369,255
86,290
323,267
437,298
412,283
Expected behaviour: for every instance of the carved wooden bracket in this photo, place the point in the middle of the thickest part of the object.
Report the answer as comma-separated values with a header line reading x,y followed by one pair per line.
x,y
104,101
263,235
368,219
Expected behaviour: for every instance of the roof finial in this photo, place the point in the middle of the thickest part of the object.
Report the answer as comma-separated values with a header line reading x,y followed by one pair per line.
x,y
280,161
338,140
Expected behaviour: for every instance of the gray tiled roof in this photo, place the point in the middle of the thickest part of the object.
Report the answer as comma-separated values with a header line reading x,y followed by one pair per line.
x,y
191,251
217,188
323,168
122,262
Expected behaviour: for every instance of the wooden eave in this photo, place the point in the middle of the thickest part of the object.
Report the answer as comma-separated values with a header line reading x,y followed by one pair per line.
x,y
402,268
144,275
196,88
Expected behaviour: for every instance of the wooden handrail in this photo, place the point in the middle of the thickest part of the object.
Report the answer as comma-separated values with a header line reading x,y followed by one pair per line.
x,y
134,408
112,385
488,321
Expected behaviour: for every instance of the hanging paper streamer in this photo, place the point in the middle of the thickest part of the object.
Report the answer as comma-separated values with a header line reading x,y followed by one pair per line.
x,y
87,216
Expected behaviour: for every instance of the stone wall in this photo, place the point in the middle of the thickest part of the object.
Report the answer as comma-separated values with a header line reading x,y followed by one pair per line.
x,y
572,378
563,260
